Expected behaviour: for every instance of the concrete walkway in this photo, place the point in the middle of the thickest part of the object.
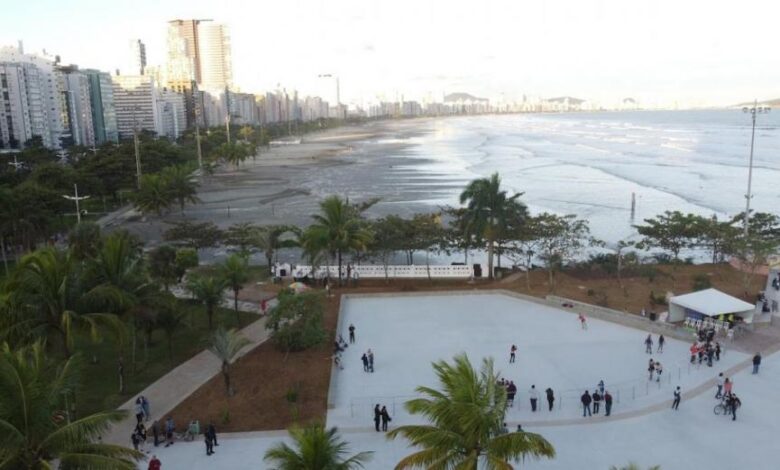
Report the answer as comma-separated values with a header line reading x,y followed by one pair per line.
x,y
171,389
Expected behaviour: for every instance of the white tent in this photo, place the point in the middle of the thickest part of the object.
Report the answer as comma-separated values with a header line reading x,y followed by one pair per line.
x,y
708,302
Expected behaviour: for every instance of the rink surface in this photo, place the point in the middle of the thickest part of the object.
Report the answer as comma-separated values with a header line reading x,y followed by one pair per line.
x,y
407,333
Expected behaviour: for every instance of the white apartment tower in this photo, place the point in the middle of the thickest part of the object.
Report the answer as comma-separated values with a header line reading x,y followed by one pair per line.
x,y
216,63
137,63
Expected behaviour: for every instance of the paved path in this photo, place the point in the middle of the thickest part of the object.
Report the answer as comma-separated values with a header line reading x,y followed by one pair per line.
x,y
178,384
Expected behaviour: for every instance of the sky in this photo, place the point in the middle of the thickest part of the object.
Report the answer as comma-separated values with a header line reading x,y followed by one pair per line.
x,y
660,52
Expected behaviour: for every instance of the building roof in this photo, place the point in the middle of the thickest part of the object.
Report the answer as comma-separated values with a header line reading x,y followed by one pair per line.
x,y
711,302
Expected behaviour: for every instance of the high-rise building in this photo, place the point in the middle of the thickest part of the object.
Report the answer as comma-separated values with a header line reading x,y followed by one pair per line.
x,y
75,102
215,61
101,92
171,120
136,104
137,63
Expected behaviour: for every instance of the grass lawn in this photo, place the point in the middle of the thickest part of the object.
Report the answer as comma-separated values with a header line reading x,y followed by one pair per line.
x,y
100,381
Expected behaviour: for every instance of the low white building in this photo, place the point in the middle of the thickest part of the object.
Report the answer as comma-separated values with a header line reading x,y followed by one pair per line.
x,y
708,303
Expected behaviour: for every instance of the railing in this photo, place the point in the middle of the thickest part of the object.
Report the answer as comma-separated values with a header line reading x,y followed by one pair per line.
x,y
392,271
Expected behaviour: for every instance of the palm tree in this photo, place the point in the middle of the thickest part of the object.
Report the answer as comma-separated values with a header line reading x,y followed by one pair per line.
x,y
181,184
487,211
315,449
233,153
37,431
339,227
270,240
153,196
466,418
171,320
235,270
208,291
48,286
225,344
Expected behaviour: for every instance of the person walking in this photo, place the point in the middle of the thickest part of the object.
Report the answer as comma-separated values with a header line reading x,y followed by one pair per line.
x,y
649,344
155,463
351,333
209,442
717,351
533,394
139,410
661,341
512,351
364,358
596,402
694,350
651,368
146,407
377,417
719,383
385,418
586,399
170,427
135,439
710,354
607,403
213,431
658,370
727,386
511,390
140,430
733,403
756,362
583,322
677,396
550,398
370,360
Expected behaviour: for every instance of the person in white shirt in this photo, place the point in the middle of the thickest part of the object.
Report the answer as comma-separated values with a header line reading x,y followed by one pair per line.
x,y
719,383
533,394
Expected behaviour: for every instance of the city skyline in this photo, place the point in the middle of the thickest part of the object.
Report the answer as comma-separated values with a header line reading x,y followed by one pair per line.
x,y
660,54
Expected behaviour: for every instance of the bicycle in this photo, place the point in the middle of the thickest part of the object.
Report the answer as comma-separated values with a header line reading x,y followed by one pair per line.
x,y
723,408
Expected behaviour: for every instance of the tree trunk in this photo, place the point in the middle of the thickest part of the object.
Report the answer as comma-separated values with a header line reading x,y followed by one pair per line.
x,y
552,281
5,259
210,314
490,259
226,376
235,305
338,253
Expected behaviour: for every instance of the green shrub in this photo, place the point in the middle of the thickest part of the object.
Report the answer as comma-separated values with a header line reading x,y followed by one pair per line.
x,y
296,321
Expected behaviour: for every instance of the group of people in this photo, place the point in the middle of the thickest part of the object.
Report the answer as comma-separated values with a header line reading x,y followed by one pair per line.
x,y
649,344
655,369
368,361
705,350
600,394
533,394
381,416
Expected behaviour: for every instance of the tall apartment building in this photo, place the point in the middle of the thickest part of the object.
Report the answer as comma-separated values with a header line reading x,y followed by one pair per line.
x,y
137,63
171,114
216,63
101,93
76,107
135,103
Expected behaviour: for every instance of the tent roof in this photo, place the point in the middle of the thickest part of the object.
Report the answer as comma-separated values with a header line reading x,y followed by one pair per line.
x,y
711,302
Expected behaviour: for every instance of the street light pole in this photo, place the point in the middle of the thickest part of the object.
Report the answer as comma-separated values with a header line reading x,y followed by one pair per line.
x,y
76,198
753,111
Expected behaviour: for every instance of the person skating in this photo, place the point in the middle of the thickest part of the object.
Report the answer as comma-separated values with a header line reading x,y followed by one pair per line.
x,y
370,360
585,399
658,370
717,351
351,333
533,394
550,398
377,417
607,403
694,350
733,403
651,368
719,383
596,401
649,344
601,387
155,463
364,358
385,418
677,396
756,362
512,351
511,390
710,354
661,341
583,322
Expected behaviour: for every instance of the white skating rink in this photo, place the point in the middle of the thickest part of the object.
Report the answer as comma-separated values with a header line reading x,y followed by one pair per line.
x,y
407,333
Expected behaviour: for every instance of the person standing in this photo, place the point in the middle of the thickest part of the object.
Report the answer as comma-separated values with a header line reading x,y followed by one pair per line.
x,y
511,390
733,403
209,442
756,362
512,351
676,401
596,402
213,431
364,358
370,360
585,399
170,427
351,333
719,383
601,387
146,407
661,341
139,410
583,322
658,369
534,396
140,430
156,432
727,386
651,368
550,398
717,351
607,403
377,417
649,344
385,418
155,464
694,349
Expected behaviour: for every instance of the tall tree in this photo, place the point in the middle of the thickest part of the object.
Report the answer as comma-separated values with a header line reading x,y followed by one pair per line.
x,y
235,271
488,207
314,448
466,417
162,264
339,227
753,251
226,344
181,184
37,434
153,196
208,290
671,231
560,238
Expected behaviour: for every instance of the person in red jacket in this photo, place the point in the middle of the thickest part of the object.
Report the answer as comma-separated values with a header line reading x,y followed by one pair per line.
x,y
155,464
694,351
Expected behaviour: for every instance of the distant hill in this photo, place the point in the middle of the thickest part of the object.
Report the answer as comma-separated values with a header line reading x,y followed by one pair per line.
x,y
774,102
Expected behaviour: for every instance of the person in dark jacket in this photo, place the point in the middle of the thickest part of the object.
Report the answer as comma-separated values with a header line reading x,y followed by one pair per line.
x,y
677,396
511,390
550,398
756,362
213,431
607,403
596,402
209,443
377,417
364,358
733,403
156,432
586,399
385,418
661,341
351,333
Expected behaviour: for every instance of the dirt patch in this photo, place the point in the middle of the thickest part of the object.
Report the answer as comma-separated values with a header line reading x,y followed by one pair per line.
x,y
264,376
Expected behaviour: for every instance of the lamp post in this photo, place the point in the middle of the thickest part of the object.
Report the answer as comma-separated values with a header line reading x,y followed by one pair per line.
x,y
16,164
753,112
76,198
